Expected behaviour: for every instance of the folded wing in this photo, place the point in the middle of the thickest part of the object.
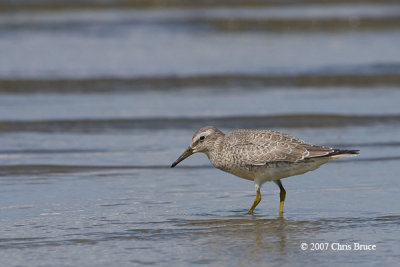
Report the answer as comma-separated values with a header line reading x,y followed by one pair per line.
x,y
259,147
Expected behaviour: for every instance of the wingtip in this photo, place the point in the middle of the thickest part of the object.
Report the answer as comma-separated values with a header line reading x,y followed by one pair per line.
x,y
353,152
338,153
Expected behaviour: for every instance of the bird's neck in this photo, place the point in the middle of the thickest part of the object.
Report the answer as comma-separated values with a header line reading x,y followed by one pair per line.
x,y
214,153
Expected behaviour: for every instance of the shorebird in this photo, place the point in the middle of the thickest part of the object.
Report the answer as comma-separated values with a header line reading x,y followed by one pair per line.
x,y
260,156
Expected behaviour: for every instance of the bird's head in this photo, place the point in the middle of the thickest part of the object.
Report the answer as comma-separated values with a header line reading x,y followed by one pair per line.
x,y
203,141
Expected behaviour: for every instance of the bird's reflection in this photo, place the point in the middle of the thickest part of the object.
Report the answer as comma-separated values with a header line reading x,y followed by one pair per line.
x,y
257,237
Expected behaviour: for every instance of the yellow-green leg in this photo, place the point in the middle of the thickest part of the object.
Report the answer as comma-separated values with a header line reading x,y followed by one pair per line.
x,y
282,197
256,201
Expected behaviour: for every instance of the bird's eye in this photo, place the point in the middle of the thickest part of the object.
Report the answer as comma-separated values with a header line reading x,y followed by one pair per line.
x,y
201,138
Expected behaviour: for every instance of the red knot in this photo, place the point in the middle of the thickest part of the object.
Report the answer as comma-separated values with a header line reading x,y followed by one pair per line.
x,y
260,156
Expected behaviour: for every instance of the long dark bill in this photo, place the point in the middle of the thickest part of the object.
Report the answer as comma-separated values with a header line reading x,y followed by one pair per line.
x,y
184,155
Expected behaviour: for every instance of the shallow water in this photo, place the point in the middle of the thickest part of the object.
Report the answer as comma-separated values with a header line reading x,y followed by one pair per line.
x,y
96,103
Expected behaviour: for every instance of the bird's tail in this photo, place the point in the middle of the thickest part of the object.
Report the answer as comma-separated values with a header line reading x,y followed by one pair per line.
x,y
339,153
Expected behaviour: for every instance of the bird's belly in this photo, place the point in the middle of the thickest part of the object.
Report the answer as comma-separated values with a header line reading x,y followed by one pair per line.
x,y
242,172
274,171
280,170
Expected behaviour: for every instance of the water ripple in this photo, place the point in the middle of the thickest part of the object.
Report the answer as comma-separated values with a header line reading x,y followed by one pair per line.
x,y
340,76
272,121
272,229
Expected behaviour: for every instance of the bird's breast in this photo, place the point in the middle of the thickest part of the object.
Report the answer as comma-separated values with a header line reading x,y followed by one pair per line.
x,y
228,164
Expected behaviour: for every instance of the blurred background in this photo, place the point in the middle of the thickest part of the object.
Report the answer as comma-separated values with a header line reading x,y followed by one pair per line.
x,y
98,98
